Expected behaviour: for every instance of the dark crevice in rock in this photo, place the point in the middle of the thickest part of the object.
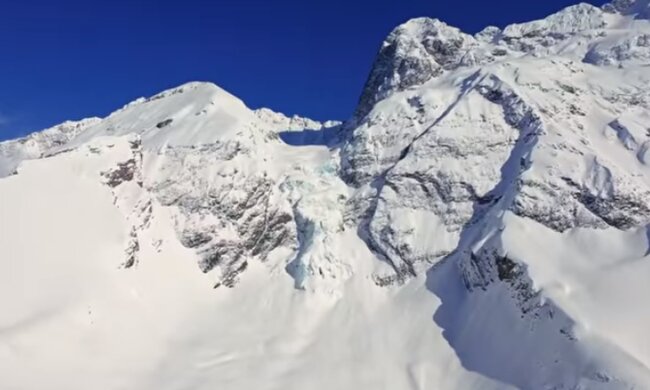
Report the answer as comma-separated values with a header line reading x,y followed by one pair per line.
x,y
622,211
124,172
259,225
230,278
132,250
195,239
164,123
128,170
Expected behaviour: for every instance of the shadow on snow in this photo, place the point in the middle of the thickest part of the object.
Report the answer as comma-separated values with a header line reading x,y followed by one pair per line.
x,y
307,137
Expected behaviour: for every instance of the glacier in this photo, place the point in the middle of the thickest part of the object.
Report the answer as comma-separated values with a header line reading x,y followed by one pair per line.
x,y
482,221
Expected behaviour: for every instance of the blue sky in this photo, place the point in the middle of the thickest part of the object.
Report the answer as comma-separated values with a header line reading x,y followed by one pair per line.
x,y
71,59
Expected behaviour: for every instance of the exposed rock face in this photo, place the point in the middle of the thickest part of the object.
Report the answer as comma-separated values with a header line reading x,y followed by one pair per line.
x,y
634,48
425,48
437,157
638,8
450,130
222,181
461,166
231,206
412,54
128,170
227,218
466,156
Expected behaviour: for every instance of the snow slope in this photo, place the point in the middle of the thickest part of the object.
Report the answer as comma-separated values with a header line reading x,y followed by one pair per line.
x,y
482,222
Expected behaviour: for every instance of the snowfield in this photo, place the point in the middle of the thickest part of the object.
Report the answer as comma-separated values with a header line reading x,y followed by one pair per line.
x,y
481,222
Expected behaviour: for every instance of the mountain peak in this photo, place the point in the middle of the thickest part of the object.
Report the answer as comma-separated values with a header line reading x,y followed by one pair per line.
x,y
570,20
421,27
640,8
195,87
414,52
192,114
424,48
495,188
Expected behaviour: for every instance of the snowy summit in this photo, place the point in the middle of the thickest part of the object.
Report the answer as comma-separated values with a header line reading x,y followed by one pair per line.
x,y
481,222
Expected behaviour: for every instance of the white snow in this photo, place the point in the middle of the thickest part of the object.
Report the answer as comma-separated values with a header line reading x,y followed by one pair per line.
x,y
72,318
482,226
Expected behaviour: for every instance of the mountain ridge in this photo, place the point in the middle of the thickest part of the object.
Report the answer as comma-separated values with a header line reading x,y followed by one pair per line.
x,y
481,222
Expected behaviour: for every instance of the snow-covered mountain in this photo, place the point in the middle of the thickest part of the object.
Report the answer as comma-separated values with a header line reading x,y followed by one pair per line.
x,y
481,222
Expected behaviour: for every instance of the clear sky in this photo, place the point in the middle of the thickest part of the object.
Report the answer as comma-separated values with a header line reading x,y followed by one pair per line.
x,y
70,59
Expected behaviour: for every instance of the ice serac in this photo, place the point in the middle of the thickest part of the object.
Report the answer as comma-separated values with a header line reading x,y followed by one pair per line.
x,y
482,222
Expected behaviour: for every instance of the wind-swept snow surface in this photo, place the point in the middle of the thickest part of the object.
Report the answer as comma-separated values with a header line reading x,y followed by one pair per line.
x,y
482,222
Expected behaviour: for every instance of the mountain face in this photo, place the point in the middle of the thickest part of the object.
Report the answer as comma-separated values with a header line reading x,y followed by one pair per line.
x,y
481,222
